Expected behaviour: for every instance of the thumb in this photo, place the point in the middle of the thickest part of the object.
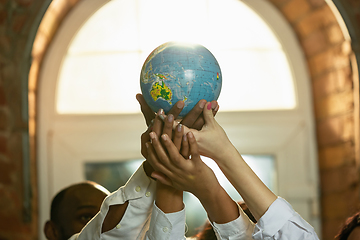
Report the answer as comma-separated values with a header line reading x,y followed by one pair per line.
x,y
161,178
208,114
194,150
145,109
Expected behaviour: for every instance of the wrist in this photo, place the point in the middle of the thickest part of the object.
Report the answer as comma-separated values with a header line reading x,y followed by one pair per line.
x,y
168,199
220,207
148,169
225,153
209,194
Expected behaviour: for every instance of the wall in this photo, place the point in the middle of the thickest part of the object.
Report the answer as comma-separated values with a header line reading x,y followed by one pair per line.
x,y
17,169
335,95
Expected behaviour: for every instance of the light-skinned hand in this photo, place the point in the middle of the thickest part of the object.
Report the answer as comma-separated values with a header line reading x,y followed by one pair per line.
x,y
211,139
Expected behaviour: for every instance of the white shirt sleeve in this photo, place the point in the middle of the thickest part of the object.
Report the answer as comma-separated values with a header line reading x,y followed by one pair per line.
x,y
169,226
240,228
281,222
140,192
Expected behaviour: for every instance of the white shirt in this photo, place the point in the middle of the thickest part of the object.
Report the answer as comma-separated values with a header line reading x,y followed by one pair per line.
x,y
240,228
280,222
135,224
169,226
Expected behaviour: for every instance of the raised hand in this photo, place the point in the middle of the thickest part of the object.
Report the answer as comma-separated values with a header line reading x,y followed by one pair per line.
x,y
194,119
153,125
191,175
211,139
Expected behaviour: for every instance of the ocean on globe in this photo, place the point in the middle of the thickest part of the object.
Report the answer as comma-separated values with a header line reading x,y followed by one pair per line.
x,y
177,71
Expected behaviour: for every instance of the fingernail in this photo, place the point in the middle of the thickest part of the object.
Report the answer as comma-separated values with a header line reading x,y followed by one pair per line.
x,y
217,108
180,104
179,126
202,104
162,117
209,106
160,111
184,138
164,137
147,145
152,135
213,105
190,135
170,118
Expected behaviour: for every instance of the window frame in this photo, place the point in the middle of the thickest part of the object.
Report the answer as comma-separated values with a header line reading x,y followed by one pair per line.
x,y
280,123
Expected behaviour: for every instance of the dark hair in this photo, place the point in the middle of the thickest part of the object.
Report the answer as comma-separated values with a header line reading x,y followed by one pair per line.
x,y
350,223
55,205
59,197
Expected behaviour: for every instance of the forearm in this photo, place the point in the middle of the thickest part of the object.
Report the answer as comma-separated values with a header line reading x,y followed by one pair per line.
x,y
168,199
168,215
114,216
255,193
219,205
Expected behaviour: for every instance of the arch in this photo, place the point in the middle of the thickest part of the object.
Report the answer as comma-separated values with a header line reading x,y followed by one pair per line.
x,y
42,32
310,21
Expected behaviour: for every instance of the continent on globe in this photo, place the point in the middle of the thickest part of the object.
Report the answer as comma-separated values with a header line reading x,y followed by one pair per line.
x,y
160,90
176,71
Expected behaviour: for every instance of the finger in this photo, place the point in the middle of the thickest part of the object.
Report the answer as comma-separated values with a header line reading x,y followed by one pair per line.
x,y
185,147
162,178
199,123
216,109
144,139
194,150
176,109
178,135
208,114
158,122
151,156
174,155
145,109
153,159
194,113
159,150
168,125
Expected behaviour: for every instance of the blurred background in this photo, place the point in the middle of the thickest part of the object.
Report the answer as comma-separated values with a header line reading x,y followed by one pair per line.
x,y
70,70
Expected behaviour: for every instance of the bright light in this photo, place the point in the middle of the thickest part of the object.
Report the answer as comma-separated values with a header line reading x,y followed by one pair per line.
x,y
101,71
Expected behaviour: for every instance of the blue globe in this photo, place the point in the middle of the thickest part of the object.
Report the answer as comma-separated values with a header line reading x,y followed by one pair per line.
x,y
176,71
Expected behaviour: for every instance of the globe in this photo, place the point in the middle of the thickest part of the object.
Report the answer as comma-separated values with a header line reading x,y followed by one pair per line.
x,y
175,71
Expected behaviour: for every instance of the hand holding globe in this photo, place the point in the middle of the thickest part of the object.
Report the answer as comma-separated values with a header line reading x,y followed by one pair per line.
x,y
176,71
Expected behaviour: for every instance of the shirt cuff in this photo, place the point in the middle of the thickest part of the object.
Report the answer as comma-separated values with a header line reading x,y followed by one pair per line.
x,y
240,227
167,226
278,214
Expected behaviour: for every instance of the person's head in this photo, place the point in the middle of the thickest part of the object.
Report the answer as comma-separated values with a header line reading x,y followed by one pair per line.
x,y
351,229
72,208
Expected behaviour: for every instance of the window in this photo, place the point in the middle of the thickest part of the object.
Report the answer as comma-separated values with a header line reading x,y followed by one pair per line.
x,y
101,69
266,110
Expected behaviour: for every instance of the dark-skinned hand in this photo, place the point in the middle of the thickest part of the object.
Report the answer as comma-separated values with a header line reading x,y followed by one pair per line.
x,y
194,119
